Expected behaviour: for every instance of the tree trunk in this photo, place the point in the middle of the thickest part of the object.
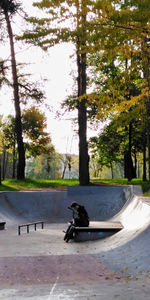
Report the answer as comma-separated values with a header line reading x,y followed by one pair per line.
x,y
64,170
14,164
135,164
129,168
82,110
125,165
144,164
146,71
3,164
0,171
18,123
112,171
144,158
148,134
82,123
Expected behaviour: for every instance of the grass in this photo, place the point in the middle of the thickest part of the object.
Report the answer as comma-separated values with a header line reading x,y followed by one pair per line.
x,y
123,181
27,184
19,185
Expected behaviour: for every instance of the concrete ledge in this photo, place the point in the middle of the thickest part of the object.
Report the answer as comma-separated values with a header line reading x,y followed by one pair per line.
x,y
103,226
90,236
105,229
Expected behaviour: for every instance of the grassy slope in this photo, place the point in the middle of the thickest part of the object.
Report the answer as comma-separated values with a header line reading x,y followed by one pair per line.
x,y
145,184
27,184
18,185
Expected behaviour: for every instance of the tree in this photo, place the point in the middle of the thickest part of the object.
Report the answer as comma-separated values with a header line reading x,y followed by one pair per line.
x,y
69,21
8,9
110,91
44,166
67,162
107,147
119,28
120,142
9,145
128,28
1,149
38,141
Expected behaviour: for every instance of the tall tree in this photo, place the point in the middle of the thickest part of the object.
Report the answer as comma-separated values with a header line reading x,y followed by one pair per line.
x,y
8,9
69,21
128,34
82,86
120,27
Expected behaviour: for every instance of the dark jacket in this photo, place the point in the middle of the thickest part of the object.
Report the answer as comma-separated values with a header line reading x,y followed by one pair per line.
x,y
82,218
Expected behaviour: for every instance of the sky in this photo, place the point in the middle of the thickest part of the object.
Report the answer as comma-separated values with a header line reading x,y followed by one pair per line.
x,y
57,66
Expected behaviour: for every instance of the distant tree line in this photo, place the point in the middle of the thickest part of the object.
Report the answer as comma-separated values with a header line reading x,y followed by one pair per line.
x,y
52,166
36,140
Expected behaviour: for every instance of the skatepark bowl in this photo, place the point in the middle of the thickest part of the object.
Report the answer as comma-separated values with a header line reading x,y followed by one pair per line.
x,y
39,265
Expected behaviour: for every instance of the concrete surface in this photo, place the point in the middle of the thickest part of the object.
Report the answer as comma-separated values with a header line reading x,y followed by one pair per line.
x,y
40,265
102,202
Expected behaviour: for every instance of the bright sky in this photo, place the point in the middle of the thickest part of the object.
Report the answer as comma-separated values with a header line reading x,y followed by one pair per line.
x,y
57,67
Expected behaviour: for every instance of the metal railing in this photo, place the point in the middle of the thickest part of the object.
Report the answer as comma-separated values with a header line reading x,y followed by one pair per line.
x,y
30,224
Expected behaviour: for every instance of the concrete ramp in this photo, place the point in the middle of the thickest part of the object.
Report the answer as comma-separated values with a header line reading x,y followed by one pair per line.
x,y
101,202
40,265
135,213
128,250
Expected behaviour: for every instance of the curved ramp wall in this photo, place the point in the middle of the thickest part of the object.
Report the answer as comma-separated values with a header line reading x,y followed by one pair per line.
x,y
128,250
101,202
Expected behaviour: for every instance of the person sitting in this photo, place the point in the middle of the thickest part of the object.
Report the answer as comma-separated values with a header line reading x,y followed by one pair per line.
x,y
82,219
